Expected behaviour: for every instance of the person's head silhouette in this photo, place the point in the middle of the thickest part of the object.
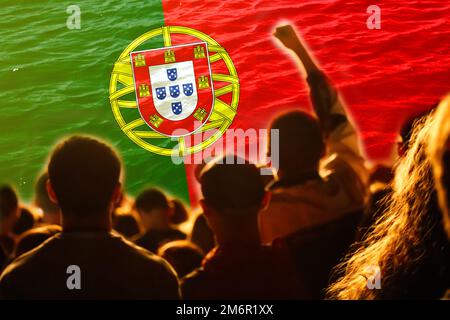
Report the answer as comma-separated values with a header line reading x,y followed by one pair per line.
x,y
84,180
183,255
233,194
154,209
301,143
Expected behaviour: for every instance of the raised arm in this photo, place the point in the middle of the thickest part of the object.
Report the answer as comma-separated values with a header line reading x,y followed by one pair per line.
x,y
323,95
288,37
341,136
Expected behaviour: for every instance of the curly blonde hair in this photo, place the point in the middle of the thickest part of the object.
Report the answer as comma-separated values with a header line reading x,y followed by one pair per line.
x,y
404,236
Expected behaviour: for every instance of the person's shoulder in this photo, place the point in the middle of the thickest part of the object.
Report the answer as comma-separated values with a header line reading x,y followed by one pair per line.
x,y
145,257
195,275
152,268
135,249
14,267
191,284
23,266
33,254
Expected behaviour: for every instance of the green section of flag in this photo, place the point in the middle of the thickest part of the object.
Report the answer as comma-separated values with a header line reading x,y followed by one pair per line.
x,y
54,82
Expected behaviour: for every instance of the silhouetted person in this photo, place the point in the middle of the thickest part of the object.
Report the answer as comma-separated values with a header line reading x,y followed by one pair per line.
x,y
183,255
84,181
50,210
239,267
155,212
25,222
126,224
322,175
9,213
319,193
35,237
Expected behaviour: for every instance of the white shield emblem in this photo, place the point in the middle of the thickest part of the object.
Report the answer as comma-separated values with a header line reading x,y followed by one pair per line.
x,y
174,89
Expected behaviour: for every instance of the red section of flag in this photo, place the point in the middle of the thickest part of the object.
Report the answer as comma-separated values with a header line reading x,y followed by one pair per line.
x,y
384,75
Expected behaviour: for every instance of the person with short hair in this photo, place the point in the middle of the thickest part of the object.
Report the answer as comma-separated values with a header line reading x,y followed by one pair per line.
x,y
322,175
156,212
84,179
320,186
239,267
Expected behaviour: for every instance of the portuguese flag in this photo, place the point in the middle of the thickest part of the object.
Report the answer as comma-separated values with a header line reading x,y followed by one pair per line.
x,y
56,81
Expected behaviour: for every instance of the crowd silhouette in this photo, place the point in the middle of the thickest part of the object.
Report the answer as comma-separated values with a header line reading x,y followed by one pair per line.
x,y
324,227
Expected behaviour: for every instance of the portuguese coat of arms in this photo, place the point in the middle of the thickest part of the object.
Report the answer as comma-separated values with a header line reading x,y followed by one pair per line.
x,y
174,89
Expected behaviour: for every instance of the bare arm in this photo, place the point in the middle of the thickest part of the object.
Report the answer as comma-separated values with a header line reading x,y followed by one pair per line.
x,y
323,95
340,134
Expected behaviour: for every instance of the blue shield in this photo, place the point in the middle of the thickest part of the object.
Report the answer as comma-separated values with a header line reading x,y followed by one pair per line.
x,y
161,93
188,89
174,91
177,107
172,74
